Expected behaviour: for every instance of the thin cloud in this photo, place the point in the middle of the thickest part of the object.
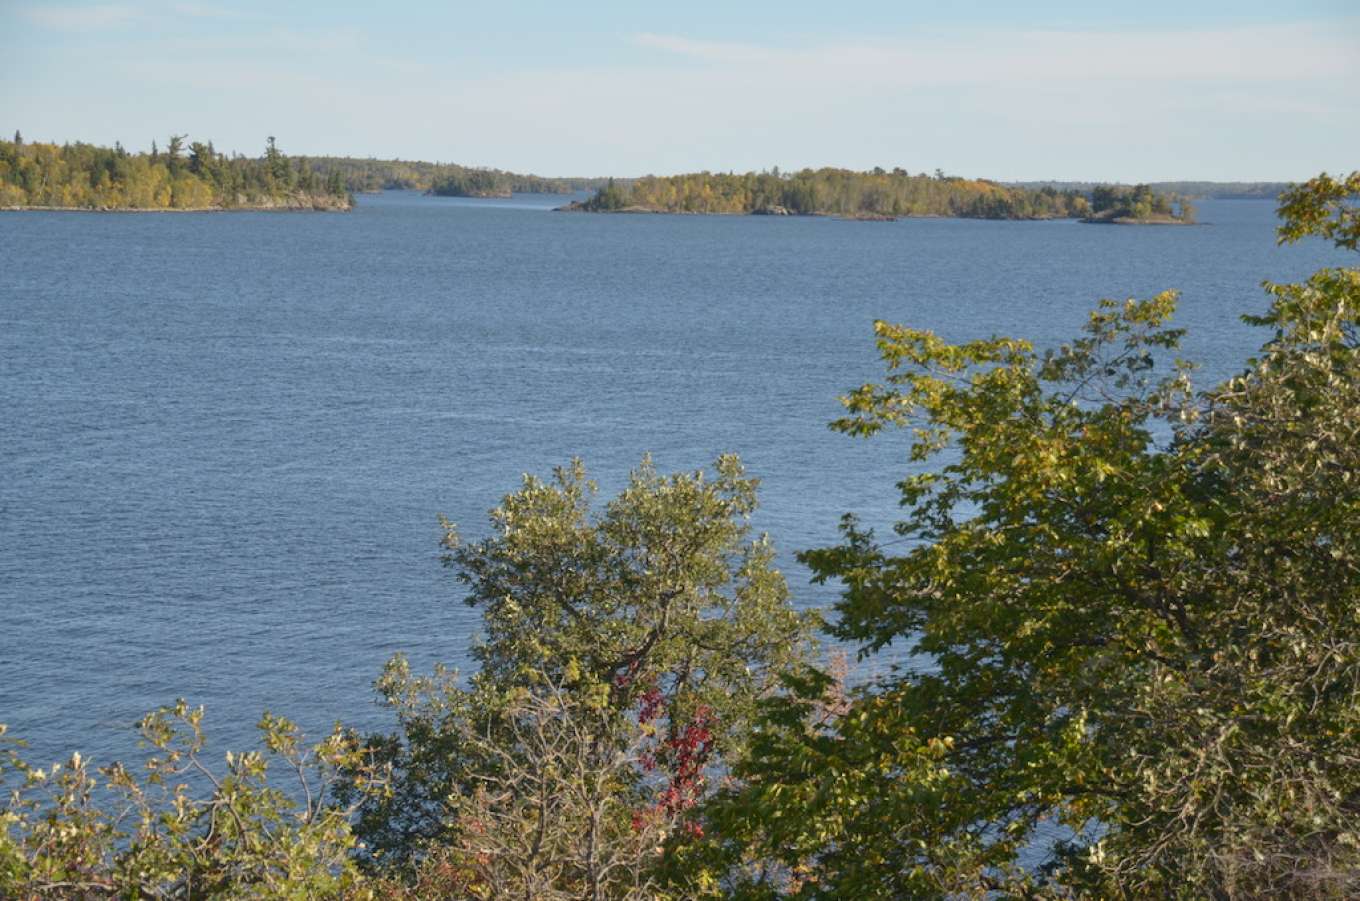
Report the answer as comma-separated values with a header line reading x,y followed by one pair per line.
x,y
713,51
108,15
80,18
206,11
1289,52
243,50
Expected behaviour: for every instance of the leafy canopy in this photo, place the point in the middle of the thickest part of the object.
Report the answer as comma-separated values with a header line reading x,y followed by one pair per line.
x,y
1130,615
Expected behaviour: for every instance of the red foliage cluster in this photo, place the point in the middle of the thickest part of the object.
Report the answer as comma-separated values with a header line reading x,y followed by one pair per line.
x,y
685,752
688,749
650,704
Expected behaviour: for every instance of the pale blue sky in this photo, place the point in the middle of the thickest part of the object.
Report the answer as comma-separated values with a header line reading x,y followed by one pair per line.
x,y
1147,91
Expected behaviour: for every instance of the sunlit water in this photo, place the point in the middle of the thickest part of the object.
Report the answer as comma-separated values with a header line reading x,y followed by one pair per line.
x,y
225,438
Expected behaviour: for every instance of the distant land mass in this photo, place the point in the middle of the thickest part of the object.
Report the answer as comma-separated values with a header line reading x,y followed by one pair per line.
x,y
446,179
877,194
182,177
1212,190
880,194
194,176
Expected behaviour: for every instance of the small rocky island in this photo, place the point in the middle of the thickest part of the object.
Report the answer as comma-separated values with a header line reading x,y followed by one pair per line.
x,y
1139,205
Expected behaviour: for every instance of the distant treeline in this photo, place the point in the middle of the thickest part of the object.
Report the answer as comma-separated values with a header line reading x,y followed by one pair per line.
x,y
449,179
180,177
1214,190
841,192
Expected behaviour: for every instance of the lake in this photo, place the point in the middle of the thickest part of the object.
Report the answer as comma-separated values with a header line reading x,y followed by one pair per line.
x,y
225,437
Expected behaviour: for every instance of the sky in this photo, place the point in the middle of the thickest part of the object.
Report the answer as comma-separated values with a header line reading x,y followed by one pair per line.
x,y
1145,91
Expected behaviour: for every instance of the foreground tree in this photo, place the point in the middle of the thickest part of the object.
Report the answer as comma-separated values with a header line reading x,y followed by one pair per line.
x,y
1131,615
623,658
551,807
71,831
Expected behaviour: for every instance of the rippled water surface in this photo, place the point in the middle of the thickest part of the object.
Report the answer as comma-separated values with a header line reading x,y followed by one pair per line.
x,y
225,438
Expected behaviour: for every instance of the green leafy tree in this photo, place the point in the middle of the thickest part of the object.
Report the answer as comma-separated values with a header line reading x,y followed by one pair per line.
x,y
1326,207
1129,618
552,806
662,619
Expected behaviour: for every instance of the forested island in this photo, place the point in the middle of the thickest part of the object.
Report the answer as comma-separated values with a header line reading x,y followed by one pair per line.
x,y
445,179
182,176
1139,205
876,194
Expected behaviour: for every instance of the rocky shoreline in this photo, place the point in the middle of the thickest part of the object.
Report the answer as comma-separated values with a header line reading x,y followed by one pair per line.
x,y
579,206
1134,220
1126,220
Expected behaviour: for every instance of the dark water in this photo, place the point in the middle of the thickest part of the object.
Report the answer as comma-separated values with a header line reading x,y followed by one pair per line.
x,y
224,438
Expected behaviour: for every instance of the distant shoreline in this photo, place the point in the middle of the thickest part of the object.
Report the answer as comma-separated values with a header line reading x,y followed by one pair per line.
x,y
197,209
577,206
481,195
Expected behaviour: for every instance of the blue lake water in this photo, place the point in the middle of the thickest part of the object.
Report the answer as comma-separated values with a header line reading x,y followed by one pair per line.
x,y
225,438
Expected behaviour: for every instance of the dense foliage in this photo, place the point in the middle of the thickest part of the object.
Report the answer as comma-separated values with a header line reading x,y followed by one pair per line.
x,y
181,177
838,192
1127,615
